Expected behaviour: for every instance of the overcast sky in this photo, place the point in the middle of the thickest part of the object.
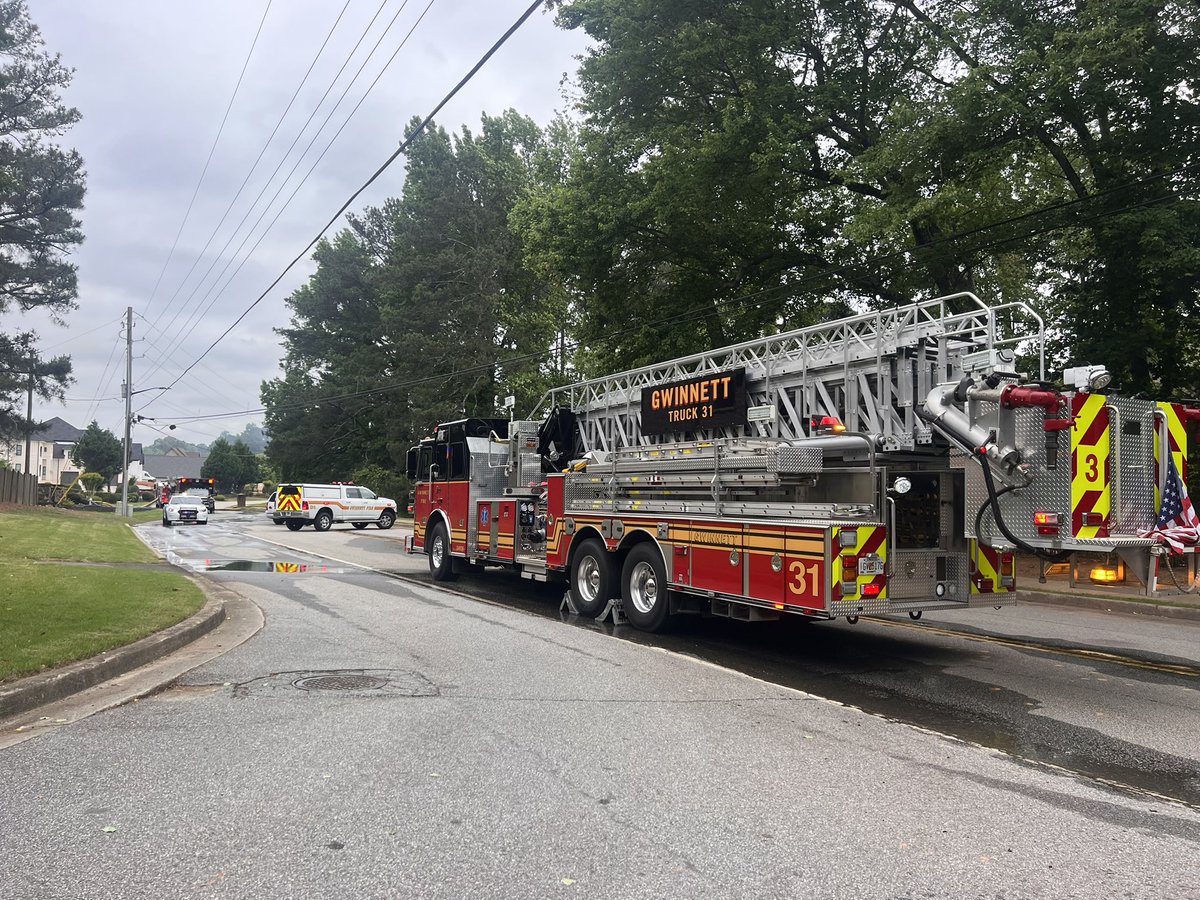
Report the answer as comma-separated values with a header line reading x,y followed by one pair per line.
x,y
153,80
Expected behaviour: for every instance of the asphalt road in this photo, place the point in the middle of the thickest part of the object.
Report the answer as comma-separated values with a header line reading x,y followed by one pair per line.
x,y
486,746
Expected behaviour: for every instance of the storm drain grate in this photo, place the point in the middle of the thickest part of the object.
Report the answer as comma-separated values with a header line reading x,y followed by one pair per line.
x,y
339,682
346,683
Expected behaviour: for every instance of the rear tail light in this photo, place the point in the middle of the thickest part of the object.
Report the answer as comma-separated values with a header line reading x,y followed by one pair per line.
x,y
1007,573
1046,522
850,565
304,505
872,590
848,537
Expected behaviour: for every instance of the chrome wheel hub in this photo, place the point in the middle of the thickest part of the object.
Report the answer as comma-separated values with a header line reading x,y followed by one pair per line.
x,y
643,587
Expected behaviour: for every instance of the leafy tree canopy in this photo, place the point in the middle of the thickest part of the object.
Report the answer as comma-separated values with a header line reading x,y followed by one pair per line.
x,y
99,450
232,465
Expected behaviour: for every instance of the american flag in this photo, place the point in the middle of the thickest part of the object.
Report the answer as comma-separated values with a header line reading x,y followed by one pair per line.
x,y
1177,524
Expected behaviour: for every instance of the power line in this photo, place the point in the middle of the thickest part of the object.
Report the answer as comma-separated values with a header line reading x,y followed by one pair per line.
x,y
386,164
211,151
267,143
195,318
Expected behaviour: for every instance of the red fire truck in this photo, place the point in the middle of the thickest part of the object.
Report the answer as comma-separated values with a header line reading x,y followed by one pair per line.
x,y
885,463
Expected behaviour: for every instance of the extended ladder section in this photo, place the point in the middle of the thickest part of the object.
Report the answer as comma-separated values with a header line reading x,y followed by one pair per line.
x,y
871,371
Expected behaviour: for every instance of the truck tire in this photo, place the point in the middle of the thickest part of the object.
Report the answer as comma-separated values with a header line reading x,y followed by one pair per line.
x,y
441,565
278,521
645,589
294,524
592,576
323,521
166,524
387,519
360,525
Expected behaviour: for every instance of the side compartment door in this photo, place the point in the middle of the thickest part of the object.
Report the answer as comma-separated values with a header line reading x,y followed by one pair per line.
x,y
718,559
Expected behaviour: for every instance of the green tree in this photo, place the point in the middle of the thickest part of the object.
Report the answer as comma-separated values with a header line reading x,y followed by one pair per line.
x,y
232,465
98,450
169,442
246,468
747,165
1091,106
429,294
41,185
713,189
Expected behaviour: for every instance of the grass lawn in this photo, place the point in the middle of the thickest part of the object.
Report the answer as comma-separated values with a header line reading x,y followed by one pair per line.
x,y
44,533
51,614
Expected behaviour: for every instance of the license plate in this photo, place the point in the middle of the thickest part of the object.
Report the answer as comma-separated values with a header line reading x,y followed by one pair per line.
x,y
870,565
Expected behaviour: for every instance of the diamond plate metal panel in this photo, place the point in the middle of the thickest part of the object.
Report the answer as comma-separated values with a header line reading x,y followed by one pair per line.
x,y
1133,469
912,575
799,460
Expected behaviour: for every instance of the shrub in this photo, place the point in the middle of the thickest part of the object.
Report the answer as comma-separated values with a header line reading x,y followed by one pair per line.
x,y
384,482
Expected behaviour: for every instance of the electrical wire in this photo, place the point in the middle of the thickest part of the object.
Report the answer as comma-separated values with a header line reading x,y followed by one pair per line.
x,y
419,130
263,151
194,319
212,150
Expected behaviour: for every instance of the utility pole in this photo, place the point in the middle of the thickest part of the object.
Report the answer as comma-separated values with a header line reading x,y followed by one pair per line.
x,y
128,408
29,419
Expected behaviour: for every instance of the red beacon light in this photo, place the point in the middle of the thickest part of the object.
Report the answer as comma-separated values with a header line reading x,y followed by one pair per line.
x,y
827,425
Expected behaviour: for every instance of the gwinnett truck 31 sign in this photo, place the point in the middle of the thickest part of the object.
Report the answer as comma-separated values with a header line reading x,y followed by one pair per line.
x,y
707,401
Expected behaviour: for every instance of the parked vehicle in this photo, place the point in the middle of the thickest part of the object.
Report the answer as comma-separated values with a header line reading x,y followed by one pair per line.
x,y
276,519
184,509
321,505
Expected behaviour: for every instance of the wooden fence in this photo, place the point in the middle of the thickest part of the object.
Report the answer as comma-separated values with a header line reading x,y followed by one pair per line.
x,y
16,487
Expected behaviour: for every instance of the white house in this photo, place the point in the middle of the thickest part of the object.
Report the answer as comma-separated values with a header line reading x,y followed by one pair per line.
x,y
50,453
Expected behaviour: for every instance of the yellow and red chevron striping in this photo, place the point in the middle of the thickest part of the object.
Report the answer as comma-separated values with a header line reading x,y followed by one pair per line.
x,y
1091,491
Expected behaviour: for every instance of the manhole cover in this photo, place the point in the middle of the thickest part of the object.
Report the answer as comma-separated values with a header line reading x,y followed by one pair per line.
x,y
348,683
339,683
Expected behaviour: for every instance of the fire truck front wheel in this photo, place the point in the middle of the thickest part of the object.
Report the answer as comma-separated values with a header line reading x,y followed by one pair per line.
x,y
591,578
441,565
644,588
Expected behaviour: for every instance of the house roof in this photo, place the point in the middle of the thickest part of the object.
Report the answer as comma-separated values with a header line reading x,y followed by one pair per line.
x,y
165,467
57,430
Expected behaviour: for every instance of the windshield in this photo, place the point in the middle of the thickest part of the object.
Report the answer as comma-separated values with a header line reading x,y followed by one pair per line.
x,y
186,500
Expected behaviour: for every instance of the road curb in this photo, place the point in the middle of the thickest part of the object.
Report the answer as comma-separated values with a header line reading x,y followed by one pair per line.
x,y
1111,604
48,687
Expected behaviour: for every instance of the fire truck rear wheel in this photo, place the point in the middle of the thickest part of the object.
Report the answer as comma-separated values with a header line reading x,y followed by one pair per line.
x,y
591,578
644,588
441,565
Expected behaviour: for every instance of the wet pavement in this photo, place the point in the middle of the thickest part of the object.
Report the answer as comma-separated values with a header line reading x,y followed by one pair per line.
x,y
1063,689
